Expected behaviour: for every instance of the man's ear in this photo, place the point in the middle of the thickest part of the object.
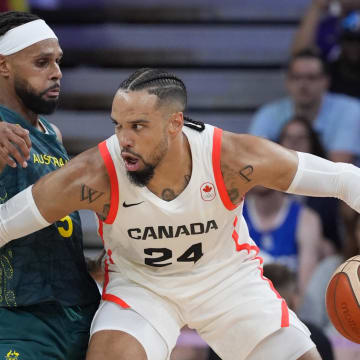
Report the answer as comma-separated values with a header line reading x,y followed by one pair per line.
x,y
176,122
4,66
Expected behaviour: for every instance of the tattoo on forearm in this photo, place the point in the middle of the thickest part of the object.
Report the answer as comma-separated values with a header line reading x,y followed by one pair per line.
x,y
105,212
246,172
87,193
233,195
168,194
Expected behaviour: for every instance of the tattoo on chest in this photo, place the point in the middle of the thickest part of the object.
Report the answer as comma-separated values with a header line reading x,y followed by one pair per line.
x,y
87,193
246,172
168,194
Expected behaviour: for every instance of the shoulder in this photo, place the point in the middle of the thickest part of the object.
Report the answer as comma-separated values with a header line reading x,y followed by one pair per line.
x,y
278,111
273,106
257,161
89,165
343,102
246,147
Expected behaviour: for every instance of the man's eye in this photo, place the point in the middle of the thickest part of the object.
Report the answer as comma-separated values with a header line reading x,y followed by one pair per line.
x,y
41,63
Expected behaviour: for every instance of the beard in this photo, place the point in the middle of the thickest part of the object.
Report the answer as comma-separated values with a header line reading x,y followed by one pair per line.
x,y
34,101
142,177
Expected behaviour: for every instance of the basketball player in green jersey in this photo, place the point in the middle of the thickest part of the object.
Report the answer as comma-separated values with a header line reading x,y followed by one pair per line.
x,y
47,298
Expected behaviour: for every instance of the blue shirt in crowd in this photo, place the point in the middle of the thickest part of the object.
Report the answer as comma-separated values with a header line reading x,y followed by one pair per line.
x,y
338,122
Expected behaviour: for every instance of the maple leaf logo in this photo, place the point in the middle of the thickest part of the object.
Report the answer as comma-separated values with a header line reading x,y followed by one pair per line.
x,y
207,188
207,191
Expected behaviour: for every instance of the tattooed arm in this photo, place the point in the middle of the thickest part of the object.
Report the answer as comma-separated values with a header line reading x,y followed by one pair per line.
x,y
247,161
82,183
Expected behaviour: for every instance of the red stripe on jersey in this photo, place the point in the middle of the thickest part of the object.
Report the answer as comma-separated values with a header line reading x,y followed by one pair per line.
x,y
106,296
114,187
284,308
111,297
245,246
216,153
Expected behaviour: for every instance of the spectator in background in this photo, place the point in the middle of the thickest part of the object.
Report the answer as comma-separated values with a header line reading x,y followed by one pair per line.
x,y
285,230
334,28
298,135
284,281
335,117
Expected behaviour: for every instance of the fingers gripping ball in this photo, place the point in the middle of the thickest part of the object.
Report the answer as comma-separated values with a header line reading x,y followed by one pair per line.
x,y
343,299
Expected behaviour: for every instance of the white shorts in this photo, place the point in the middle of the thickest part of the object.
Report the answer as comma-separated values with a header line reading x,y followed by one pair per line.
x,y
233,317
285,344
111,316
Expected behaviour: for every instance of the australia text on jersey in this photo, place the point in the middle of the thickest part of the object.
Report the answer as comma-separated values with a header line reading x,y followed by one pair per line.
x,y
45,159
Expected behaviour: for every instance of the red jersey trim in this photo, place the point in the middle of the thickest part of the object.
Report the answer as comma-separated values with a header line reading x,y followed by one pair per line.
x,y
284,309
111,297
216,153
105,295
114,185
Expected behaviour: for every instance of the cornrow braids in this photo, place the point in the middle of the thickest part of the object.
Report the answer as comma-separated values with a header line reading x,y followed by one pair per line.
x,y
165,86
12,19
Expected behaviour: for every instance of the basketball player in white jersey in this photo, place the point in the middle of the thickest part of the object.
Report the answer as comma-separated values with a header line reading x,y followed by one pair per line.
x,y
169,201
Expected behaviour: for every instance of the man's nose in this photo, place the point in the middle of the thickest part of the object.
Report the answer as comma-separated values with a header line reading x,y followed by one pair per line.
x,y
125,139
56,73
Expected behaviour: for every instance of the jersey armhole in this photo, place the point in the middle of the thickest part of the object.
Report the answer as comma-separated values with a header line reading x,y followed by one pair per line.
x,y
114,187
220,184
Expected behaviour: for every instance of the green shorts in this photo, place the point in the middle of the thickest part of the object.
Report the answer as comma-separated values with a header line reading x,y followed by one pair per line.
x,y
45,331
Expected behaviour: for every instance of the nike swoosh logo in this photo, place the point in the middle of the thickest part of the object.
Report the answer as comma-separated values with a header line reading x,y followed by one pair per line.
x,y
128,205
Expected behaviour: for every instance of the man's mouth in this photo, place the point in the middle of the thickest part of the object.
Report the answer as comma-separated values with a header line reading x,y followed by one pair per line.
x,y
132,163
53,92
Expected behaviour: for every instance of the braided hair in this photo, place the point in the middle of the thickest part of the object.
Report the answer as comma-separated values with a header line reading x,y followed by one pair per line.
x,y
12,19
165,86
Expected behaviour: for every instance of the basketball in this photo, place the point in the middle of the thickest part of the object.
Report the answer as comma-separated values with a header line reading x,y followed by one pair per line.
x,y
343,299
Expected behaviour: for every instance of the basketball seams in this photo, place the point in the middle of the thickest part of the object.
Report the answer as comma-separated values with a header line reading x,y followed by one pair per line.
x,y
342,309
339,319
354,282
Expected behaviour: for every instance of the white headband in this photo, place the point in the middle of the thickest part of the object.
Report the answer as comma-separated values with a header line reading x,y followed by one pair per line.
x,y
25,35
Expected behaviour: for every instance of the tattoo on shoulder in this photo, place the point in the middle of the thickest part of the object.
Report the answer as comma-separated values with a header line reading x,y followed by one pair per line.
x,y
87,193
105,212
246,172
168,194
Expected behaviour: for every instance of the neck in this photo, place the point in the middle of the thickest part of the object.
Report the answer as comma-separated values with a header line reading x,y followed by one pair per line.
x,y
9,99
174,171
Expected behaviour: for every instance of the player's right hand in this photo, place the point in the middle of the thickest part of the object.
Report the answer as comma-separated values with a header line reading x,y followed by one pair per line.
x,y
15,145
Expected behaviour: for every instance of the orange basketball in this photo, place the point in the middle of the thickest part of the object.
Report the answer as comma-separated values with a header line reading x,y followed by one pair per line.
x,y
343,299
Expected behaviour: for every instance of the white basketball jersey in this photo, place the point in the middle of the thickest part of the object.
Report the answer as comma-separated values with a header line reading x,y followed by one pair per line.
x,y
194,240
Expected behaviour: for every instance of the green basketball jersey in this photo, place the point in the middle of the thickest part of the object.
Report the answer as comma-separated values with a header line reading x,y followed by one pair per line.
x,y
49,264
